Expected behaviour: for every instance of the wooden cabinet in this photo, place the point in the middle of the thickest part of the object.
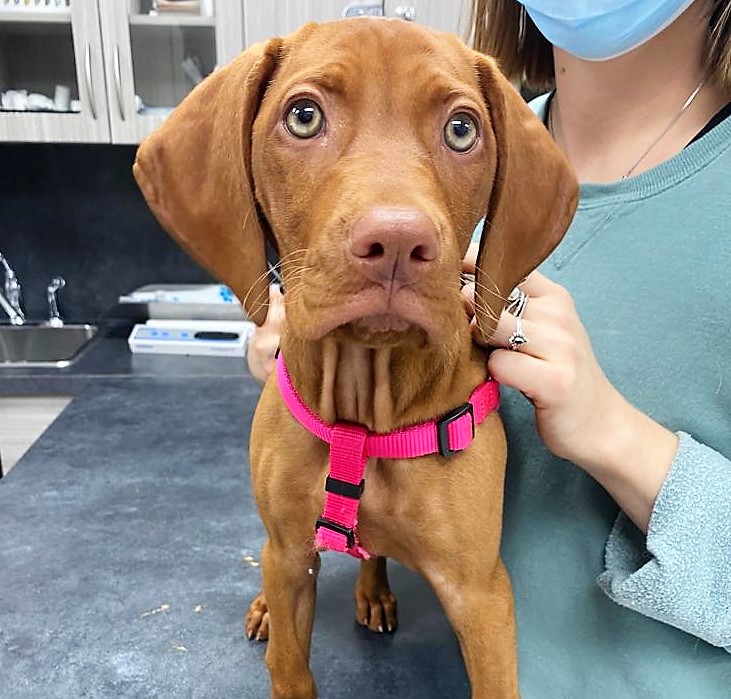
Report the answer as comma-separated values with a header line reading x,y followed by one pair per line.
x,y
124,67
57,55
153,61
111,70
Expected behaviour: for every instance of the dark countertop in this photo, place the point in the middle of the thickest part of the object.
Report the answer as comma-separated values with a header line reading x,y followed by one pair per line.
x,y
138,496
111,357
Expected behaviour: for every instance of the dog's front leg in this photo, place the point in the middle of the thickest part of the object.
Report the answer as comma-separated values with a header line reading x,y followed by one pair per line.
x,y
289,575
479,605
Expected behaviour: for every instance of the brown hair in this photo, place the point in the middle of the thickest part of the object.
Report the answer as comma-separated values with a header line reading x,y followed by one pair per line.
x,y
502,28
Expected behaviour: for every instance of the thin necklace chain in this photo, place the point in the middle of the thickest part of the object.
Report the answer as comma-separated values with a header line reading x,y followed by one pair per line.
x,y
683,109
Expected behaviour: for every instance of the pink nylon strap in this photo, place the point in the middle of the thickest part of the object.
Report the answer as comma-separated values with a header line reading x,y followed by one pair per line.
x,y
347,464
351,446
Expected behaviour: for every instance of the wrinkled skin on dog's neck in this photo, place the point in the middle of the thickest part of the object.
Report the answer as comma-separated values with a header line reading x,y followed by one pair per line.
x,y
383,388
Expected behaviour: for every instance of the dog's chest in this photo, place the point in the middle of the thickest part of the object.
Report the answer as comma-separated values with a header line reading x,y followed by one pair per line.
x,y
400,499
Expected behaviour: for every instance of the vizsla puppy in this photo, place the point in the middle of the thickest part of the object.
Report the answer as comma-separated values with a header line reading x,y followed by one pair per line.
x,y
366,151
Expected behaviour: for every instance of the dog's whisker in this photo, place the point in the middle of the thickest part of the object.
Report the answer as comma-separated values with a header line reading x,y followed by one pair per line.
x,y
256,304
293,290
481,299
484,309
246,300
297,271
299,252
479,272
287,265
293,265
295,280
483,289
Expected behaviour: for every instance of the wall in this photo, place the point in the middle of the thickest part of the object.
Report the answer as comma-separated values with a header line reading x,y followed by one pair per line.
x,y
75,211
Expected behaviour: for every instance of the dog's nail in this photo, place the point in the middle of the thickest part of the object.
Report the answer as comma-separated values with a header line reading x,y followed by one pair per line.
x,y
390,628
380,628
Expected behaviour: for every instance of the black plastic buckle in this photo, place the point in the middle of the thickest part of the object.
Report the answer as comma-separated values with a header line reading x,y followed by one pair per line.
x,y
347,490
348,533
443,423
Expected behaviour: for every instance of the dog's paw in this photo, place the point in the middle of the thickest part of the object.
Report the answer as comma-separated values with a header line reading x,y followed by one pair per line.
x,y
377,609
257,620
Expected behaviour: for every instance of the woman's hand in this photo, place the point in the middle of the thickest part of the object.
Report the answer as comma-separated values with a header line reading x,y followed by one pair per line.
x,y
264,341
580,416
558,373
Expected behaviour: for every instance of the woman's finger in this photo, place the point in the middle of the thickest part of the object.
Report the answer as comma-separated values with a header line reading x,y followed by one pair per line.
x,y
542,341
525,373
505,328
470,258
537,285
275,314
468,299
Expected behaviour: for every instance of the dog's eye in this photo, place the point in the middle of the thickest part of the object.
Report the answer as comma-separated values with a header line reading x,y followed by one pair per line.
x,y
460,132
304,119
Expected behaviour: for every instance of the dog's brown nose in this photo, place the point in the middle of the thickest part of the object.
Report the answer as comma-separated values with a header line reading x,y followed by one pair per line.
x,y
393,245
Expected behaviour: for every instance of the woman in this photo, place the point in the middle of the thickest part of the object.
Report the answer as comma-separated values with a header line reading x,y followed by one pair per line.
x,y
640,107
641,97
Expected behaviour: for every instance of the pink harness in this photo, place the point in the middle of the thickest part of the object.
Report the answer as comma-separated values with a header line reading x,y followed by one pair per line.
x,y
351,445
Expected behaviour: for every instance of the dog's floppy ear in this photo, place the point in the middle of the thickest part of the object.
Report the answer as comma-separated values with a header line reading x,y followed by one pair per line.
x,y
195,173
533,198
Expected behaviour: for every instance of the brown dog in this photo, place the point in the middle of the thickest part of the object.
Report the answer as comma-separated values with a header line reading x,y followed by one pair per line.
x,y
366,151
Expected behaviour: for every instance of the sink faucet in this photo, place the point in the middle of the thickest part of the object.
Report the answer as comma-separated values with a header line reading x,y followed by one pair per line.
x,y
54,318
10,299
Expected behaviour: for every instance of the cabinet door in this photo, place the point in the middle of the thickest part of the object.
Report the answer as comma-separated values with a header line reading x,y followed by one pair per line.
x,y
154,57
52,60
265,19
450,16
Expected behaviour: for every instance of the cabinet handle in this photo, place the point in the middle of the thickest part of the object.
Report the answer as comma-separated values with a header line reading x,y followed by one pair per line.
x,y
118,82
364,9
89,83
407,13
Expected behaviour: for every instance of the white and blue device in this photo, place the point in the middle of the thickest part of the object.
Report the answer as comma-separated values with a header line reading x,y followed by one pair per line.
x,y
194,337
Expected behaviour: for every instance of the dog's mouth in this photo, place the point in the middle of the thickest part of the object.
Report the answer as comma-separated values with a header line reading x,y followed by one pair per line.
x,y
381,323
381,330
375,316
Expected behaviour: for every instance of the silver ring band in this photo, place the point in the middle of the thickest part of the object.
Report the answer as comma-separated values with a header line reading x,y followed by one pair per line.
x,y
517,301
518,338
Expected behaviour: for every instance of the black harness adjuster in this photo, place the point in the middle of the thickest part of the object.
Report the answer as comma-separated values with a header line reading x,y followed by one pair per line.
x,y
347,532
443,424
347,490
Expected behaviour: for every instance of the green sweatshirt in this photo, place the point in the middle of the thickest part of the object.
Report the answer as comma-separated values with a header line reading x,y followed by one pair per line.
x,y
603,611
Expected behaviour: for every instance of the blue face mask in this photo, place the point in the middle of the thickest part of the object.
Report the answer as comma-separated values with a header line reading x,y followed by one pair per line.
x,y
598,30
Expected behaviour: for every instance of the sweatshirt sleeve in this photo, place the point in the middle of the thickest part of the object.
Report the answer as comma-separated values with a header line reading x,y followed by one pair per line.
x,y
680,573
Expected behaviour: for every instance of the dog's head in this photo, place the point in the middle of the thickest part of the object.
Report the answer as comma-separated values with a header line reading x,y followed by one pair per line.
x,y
366,151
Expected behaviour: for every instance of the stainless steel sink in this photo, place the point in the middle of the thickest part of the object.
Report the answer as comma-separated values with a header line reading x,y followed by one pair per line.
x,y
43,345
